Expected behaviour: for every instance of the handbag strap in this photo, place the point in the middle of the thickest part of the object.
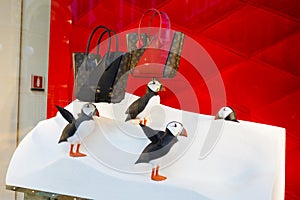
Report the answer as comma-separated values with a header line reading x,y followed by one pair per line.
x,y
166,25
107,55
165,21
91,37
109,41
140,41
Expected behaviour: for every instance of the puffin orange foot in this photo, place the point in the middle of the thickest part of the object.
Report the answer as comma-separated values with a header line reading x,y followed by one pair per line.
x,y
77,154
155,175
143,122
158,178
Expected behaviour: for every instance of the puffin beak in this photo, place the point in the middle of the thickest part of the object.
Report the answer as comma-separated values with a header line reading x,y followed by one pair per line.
x,y
97,113
184,133
163,89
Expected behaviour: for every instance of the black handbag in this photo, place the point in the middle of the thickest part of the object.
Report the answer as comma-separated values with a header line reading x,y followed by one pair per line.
x,y
101,78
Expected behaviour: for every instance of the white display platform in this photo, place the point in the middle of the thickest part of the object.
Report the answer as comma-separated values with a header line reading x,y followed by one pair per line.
x,y
247,161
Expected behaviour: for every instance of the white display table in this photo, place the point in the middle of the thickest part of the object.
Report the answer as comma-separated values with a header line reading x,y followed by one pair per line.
x,y
247,161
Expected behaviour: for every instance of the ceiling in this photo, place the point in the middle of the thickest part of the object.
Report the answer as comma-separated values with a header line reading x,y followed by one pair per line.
x,y
255,45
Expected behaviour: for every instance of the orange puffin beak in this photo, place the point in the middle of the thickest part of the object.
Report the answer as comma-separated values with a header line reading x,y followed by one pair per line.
x,y
163,88
97,113
184,133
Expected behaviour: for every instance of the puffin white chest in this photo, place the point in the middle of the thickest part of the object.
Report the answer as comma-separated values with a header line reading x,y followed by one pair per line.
x,y
84,129
155,100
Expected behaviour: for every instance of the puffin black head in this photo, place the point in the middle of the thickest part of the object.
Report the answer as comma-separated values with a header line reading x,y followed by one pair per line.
x,y
90,110
176,128
227,113
155,86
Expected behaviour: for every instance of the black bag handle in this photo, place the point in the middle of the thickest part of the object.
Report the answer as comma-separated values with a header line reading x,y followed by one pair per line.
x,y
109,35
91,37
108,31
107,55
89,43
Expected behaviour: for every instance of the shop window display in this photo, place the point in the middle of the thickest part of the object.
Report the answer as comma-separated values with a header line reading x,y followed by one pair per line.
x,y
209,71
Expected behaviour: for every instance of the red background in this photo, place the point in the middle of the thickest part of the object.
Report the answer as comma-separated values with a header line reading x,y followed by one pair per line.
x,y
254,43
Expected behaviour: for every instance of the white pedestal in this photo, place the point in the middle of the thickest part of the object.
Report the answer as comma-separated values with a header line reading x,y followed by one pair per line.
x,y
247,160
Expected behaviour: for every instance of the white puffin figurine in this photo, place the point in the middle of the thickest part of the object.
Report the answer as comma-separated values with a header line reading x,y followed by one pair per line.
x,y
79,128
227,113
161,144
141,107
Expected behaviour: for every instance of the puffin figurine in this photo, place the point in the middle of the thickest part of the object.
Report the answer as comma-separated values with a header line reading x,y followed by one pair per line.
x,y
141,107
161,144
227,113
78,128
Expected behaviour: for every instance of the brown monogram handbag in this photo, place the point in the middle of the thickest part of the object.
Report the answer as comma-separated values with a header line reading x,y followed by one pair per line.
x,y
155,51
101,78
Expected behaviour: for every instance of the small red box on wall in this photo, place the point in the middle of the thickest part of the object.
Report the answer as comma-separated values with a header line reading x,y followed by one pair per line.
x,y
37,83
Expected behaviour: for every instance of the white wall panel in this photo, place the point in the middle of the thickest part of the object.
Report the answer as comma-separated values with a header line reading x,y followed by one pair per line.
x,y
35,37
10,14
34,60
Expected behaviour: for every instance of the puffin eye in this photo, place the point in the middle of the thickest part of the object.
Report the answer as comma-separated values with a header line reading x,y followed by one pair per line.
x,y
175,125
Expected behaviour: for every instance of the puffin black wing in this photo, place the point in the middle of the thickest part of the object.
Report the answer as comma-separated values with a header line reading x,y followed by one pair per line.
x,y
66,114
157,150
133,110
138,106
68,131
155,136
71,128
150,152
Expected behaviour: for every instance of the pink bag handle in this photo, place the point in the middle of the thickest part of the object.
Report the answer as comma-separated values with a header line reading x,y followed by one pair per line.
x,y
165,24
164,21
140,41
